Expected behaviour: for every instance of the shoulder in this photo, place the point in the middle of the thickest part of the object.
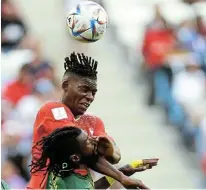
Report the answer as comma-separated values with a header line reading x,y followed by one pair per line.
x,y
92,116
55,108
53,115
98,124
97,121
52,105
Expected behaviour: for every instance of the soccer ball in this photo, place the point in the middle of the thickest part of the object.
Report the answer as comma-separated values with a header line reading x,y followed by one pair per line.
x,y
87,22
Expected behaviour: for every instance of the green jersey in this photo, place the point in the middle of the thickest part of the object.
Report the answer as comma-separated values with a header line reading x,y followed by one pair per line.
x,y
73,181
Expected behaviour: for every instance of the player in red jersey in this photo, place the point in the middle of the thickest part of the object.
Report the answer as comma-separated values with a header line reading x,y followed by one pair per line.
x,y
79,86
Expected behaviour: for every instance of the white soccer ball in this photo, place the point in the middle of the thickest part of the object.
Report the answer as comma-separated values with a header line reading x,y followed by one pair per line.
x,y
87,22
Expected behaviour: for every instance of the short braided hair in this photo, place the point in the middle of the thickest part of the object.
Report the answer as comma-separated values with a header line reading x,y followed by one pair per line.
x,y
81,65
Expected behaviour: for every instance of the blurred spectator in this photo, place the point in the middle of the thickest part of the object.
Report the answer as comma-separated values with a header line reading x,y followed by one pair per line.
x,y
28,81
201,25
189,85
12,26
19,57
191,40
192,1
158,41
41,67
20,87
176,62
189,90
11,175
16,142
28,106
202,144
5,111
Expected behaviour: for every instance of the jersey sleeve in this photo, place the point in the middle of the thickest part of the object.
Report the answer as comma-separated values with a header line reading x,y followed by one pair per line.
x,y
100,129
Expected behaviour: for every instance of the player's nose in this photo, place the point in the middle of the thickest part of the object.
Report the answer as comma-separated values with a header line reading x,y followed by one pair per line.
x,y
90,96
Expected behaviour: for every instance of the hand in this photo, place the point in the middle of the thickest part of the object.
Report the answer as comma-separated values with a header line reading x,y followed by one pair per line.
x,y
105,146
128,170
130,183
149,163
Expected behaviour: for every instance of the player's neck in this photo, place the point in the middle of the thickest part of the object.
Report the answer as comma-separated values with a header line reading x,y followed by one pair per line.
x,y
77,117
82,166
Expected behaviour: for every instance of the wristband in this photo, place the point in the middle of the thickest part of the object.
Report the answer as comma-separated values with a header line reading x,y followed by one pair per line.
x,y
136,163
110,180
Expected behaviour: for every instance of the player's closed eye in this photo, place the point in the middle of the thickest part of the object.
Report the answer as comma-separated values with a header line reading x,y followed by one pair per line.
x,y
83,89
94,93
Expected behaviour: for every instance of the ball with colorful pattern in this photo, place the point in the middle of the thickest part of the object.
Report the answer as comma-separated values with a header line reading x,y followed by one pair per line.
x,y
87,22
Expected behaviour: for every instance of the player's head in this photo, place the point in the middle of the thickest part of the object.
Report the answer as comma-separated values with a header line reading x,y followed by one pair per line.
x,y
66,148
79,82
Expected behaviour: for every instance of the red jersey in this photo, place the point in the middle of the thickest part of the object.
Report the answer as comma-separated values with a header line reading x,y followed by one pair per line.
x,y
55,115
156,45
15,91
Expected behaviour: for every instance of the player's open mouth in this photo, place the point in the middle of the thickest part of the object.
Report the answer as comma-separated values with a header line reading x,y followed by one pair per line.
x,y
85,105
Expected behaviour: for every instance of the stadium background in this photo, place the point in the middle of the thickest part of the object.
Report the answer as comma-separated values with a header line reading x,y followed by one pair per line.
x,y
141,131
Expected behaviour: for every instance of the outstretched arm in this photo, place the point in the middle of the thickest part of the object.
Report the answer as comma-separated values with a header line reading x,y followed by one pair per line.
x,y
104,167
128,170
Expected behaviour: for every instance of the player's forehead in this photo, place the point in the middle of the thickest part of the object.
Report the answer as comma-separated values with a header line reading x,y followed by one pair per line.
x,y
83,136
87,82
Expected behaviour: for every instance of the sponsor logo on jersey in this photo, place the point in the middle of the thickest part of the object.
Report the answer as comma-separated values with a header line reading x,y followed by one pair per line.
x,y
59,113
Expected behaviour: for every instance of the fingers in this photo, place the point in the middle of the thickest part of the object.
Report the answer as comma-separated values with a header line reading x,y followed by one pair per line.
x,y
140,169
105,146
152,161
105,142
143,168
142,186
103,138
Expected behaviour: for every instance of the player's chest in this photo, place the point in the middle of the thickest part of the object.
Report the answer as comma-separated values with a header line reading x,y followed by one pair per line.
x,y
86,123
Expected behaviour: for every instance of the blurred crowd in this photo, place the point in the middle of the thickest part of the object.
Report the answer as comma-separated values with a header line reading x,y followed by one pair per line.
x,y
175,66
28,80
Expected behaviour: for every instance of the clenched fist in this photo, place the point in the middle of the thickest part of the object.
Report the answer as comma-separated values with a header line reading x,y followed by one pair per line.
x,y
105,146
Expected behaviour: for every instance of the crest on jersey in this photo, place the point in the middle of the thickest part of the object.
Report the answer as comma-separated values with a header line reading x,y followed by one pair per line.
x,y
59,113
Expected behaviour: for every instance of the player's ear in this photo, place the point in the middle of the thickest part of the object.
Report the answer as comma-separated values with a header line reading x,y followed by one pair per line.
x,y
75,158
65,86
